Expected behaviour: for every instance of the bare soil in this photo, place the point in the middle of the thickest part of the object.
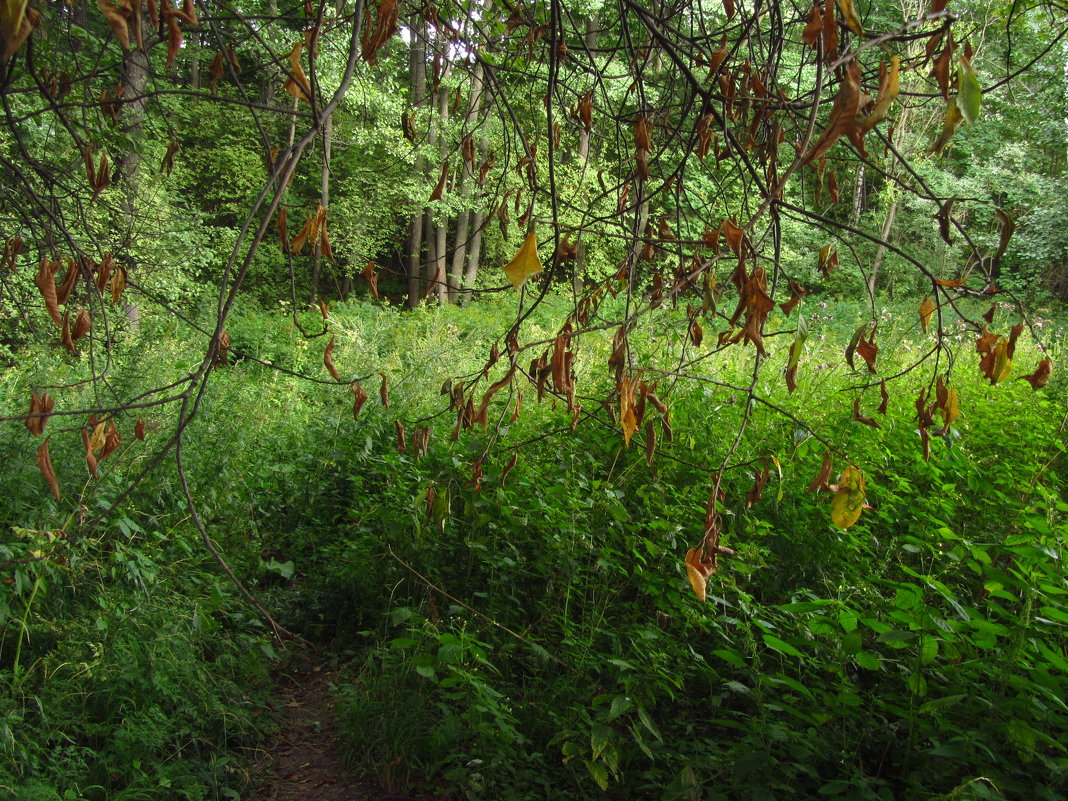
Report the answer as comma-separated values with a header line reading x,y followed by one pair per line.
x,y
302,763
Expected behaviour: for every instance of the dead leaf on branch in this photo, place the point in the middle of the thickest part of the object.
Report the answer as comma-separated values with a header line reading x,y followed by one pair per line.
x,y
46,282
17,22
1040,377
329,361
525,263
868,421
44,462
822,481
41,407
848,501
927,310
843,112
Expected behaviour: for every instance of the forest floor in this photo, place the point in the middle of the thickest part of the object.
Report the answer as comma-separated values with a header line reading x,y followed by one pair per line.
x,y
302,761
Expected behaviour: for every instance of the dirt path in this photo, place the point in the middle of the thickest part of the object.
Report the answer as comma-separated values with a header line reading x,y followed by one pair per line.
x,y
302,762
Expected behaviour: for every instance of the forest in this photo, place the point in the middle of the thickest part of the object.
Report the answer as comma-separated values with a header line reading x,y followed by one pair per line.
x,y
649,399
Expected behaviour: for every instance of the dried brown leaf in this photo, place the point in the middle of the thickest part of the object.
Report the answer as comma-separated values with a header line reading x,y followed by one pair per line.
x,y
44,462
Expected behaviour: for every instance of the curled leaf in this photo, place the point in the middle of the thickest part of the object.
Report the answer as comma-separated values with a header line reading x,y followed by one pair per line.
x,y
41,407
329,361
848,500
359,398
1040,377
139,429
44,461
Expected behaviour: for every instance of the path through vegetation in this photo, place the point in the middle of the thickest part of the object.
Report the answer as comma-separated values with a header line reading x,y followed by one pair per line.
x,y
302,762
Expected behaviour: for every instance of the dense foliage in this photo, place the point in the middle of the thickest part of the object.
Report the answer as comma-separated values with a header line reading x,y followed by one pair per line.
x,y
744,478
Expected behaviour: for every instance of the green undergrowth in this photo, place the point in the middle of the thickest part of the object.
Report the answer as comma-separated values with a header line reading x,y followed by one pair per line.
x,y
536,637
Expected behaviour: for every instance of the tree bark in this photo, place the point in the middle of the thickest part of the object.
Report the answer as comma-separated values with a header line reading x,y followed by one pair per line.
x,y
417,64
324,199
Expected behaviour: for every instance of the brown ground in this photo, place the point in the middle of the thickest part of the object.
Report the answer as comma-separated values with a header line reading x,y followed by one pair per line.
x,y
302,762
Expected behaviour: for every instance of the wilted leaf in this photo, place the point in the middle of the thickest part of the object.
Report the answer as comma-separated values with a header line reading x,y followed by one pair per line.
x,y
359,398
927,310
297,84
843,112
117,19
139,429
383,390
813,28
112,440
849,16
627,418
41,407
848,500
949,126
46,282
827,260
868,421
82,324
440,188
698,570
399,427
17,22
868,350
822,481
118,283
329,361
44,461
884,397
1040,377
526,262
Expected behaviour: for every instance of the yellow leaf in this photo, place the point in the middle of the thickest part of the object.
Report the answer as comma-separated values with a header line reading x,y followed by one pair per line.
x,y
849,16
697,571
927,310
848,500
627,418
526,262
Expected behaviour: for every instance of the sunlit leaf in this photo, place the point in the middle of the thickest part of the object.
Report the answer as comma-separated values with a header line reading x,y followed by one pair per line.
x,y
526,262
927,310
969,93
848,500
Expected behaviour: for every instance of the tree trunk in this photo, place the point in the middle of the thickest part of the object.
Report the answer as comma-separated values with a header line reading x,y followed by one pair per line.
x,y
417,63
324,199
474,254
463,220
441,286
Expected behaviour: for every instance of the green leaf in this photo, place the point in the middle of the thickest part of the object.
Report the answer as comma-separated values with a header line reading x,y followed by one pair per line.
x,y
867,660
970,94
928,650
599,773
781,646
917,684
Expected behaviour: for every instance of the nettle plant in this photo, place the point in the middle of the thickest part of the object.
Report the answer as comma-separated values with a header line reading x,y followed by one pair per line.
x,y
706,146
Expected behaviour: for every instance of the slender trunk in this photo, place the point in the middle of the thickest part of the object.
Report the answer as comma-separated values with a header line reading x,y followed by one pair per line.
x,y
463,221
880,254
431,251
324,199
474,253
583,153
134,80
859,195
417,64
440,278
